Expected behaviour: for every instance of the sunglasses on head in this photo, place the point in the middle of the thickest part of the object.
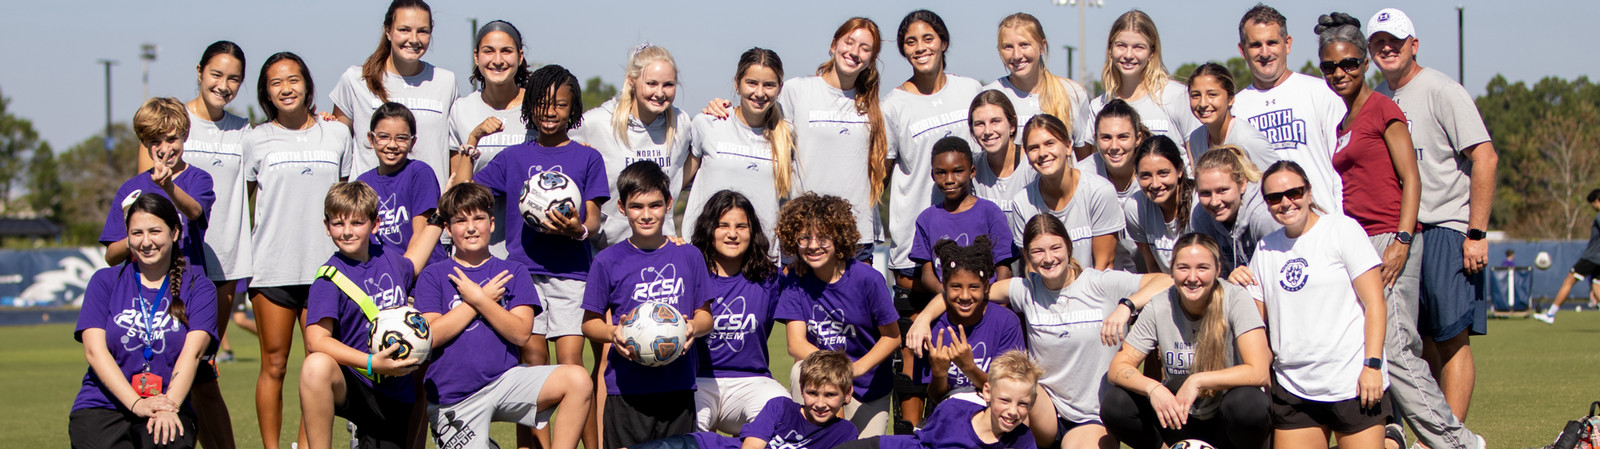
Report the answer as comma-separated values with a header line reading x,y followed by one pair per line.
x,y
1293,194
1348,65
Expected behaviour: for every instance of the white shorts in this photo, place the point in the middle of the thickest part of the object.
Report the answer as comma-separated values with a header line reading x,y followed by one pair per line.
x,y
514,397
727,404
871,418
562,299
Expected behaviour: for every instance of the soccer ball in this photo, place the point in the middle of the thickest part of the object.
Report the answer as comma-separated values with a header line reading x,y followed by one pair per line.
x,y
403,326
1193,444
655,332
549,190
1542,260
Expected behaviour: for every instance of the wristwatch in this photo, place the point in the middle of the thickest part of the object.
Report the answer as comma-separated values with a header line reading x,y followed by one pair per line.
x,y
1476,234
1374,363
1133,311
438,219
1403,237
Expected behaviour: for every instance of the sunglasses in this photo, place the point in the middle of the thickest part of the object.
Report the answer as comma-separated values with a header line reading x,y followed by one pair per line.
x,y
1293,194
1348,65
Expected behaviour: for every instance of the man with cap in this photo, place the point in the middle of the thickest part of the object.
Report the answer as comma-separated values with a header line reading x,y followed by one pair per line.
x,y
1457,163
1296,112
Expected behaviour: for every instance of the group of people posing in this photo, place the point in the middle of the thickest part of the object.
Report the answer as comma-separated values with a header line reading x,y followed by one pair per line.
x,y
1267,306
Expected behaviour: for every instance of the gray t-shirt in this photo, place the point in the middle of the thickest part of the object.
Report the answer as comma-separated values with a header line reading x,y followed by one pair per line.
x,y
1093,211
218,148
1255,145
293,170
1444,123
1027,105
913,123
428,95
1127,248
1164,324
645,142
465,115
1063,334
832,141
1147,225
1237,242
990,186
1166,113
733,156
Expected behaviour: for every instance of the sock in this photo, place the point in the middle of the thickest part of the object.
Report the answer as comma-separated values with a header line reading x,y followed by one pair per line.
x,y
1552,311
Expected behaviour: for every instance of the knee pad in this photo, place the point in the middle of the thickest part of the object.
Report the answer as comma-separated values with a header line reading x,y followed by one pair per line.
x,y
906,387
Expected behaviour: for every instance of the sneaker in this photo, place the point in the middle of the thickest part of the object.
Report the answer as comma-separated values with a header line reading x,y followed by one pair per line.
x,y
1481,443
225,356
1394,431
1546,318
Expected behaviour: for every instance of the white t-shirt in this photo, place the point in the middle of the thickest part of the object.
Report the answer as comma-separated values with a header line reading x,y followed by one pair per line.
x,y
733,156
293,170
218,148
428,95
645,142
1063,334
465,115
1444,123
1092,211
1027,105
1166,113
1241,133
1300,119
913,123
1315,320
832,141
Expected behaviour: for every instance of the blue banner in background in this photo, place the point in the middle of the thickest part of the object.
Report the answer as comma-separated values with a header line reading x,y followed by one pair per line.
x,y
54,277
1544,283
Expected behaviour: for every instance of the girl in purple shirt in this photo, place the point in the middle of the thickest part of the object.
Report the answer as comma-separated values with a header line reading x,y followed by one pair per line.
x,y
405,198
143,344
969,335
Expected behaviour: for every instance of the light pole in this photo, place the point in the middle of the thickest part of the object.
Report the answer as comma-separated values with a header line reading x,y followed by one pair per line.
x,y
1083,40
1461,44
1069,59
108,63
147,55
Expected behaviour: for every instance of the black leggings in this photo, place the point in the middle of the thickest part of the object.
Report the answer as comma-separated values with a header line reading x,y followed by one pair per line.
x,y
1241,421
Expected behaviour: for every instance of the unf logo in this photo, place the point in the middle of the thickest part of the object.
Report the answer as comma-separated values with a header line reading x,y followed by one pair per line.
x,y
1294,275
1383,17
552,181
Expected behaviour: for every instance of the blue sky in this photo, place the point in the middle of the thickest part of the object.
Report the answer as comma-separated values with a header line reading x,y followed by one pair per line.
x,y
53,79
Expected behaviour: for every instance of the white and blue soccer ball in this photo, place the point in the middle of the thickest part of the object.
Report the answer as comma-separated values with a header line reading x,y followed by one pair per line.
x,y
403,326
656,332
546,191
1192,444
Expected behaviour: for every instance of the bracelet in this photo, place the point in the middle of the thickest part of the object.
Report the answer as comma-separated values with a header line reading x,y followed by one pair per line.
x,y
135,403
585,234
369,363
1152,389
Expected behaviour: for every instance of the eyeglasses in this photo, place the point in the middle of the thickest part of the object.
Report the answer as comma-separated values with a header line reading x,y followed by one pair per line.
x,y
1294,194
1348,65
383,138
817,241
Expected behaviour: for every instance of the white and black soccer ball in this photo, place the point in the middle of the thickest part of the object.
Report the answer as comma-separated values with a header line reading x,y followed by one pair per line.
x,y
1542,261
656,332
403,326
546,191
1192,444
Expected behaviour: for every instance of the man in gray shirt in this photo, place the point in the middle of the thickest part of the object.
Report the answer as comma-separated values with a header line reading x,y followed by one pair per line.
x,y
1457,163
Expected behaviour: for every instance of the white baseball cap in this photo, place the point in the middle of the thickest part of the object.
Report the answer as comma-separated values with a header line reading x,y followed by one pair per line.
x,y
1392,21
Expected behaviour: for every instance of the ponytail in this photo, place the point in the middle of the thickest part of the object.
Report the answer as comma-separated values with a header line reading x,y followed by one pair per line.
x,y
774,128
1211,347
175,308
1053,93
641,57
866,87
372,70
162,208
1231,160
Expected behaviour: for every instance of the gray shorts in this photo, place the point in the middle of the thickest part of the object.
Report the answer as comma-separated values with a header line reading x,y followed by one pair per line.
x,y
514,397
562,301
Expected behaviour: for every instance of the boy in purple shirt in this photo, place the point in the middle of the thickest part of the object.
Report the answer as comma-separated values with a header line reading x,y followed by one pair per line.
x,y
992,419
378,390
968,336
480,309
961,217
162,125
814,424
406,198
645,403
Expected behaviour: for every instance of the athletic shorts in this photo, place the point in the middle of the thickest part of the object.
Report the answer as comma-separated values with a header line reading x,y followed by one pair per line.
x,y
104,428
513,397
1585,269
864,253
562,308
380,420
1291,412
636,418
286,296
1064,425
726,404
1451,301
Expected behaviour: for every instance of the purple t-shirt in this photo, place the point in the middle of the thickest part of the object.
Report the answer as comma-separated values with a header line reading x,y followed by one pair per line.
x,y
403,195
844,316
997,331
984,218
195,182
950,427
478,355
783,425
385,276
624,277
741,314
545,254
112,302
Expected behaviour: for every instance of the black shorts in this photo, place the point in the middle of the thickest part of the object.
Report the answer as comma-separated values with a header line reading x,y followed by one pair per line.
x,y
380,421
96,428
1063,426
1291,412
636,418
1586,269
286,296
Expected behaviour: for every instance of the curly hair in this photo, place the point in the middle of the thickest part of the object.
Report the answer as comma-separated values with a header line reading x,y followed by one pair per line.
x,y
539,94
757,266
977,258
827,214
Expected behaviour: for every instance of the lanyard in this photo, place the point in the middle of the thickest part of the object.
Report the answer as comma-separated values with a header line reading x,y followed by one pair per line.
x,y
148,315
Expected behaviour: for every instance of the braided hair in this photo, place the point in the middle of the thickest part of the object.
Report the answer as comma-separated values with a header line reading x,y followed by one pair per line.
x,y
976,258
163,209
540,94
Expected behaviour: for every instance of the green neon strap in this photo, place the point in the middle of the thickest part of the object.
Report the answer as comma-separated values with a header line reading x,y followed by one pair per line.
x,y
361,299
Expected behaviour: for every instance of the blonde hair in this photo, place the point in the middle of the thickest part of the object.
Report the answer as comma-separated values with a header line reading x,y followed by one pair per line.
x,y
1155,72
827,368
775,129
1211,349
866,88
351,198
642,57
160,116
1014,365
1053,97
1230,159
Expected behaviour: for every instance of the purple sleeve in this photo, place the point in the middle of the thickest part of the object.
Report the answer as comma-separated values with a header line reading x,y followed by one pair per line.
x,y
597,290
424,194
200,300
202,189
880,302
493,175
322,302
521,289
116,227
1009,335
429,293
699,288
999,233
96,300
791,302
595,185
921,247
765,424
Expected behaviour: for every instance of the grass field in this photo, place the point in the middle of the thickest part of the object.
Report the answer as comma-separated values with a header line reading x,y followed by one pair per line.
x,y
1532,378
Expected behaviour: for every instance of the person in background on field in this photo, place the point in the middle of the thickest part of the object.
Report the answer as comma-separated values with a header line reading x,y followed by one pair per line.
x,y
1587,267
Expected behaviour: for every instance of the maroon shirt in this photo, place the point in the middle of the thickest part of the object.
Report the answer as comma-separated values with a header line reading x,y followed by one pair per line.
x,y
1371,188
